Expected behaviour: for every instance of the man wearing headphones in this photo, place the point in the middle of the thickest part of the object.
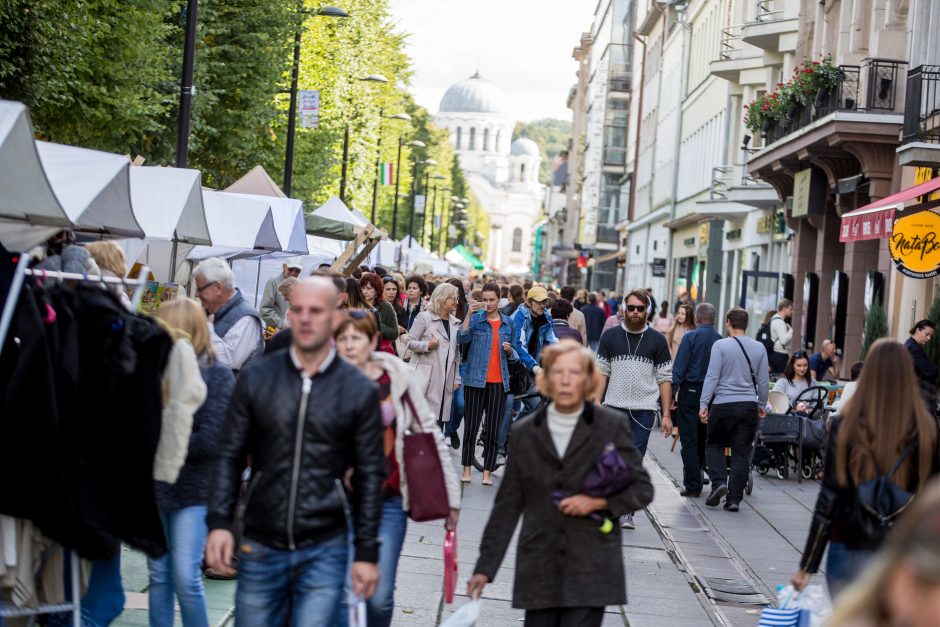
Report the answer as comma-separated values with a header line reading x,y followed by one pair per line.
x,y
637,365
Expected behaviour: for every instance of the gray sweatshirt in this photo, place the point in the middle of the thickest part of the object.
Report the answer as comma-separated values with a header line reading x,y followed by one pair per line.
x,y
728,379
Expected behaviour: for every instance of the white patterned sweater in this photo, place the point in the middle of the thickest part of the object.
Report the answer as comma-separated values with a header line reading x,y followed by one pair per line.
x,y
635,364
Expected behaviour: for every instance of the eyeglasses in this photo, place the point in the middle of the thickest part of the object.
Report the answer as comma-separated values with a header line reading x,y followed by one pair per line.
x,y
357,314
200,290
389,277
799,354
635,308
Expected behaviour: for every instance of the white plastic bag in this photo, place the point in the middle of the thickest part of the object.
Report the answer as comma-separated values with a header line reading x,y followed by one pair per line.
x,y
813,599
466,616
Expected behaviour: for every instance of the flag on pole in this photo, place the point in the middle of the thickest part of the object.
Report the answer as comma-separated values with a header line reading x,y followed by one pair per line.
x,y
387,174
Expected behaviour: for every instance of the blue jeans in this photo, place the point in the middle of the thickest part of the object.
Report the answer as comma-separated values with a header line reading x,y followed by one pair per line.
x,y
505,423
594,344
843,566
380,607
302,586
641,423
179,571
456,412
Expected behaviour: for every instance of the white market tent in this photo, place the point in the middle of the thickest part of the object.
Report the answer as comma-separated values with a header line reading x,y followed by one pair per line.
x,y
457,261
47,187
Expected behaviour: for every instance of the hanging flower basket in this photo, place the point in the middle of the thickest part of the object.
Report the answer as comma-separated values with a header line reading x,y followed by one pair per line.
x,y
786,102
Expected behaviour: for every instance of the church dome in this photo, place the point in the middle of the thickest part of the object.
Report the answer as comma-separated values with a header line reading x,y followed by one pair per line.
x,y
525,147
473,95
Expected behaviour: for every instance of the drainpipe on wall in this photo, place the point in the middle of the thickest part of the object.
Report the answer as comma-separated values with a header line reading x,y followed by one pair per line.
x,y
683,85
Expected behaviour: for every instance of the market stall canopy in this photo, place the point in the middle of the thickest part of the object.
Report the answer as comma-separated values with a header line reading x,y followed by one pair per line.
x,y
336,209
875,220
385,254
167,203
27,199
456,259
288,216
237,224
469,257
256,181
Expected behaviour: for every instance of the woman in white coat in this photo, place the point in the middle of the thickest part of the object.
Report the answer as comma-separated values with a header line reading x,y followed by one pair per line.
x,y
436,359
401,405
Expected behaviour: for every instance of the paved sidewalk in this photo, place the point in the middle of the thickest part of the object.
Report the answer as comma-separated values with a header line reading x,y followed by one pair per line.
x,y
679,546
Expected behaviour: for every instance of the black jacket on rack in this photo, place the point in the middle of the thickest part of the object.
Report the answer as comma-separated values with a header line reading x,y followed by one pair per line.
x,y
81,410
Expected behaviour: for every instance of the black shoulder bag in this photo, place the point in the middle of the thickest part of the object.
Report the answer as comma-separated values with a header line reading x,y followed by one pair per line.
x,y
749,367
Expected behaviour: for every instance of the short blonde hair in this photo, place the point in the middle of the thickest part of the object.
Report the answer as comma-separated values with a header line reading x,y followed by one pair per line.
x,y
186,315
109,256
441,293
593,381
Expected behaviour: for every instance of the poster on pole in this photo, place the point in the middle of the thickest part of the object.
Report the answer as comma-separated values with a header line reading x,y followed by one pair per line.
x,y
419,203
309,106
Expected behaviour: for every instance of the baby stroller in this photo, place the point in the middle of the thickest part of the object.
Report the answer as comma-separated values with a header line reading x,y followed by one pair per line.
x,y
793,437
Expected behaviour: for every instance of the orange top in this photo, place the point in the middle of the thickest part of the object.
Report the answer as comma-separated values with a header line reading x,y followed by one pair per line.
x,y
494,371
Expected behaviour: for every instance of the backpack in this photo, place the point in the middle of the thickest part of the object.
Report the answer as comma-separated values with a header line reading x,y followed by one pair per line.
x,y
880,500
763,336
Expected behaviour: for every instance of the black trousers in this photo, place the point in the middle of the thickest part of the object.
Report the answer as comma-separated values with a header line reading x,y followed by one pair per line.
x,y
491,402
734,425
692,434
565,617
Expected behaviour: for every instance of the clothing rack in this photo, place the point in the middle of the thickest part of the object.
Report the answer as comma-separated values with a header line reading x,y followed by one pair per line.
x,y
6,318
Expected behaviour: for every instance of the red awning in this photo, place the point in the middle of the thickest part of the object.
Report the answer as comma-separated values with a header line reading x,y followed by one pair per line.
x,y
874,220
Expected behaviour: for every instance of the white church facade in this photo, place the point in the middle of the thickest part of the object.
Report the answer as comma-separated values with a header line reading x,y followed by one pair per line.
x,y
503,175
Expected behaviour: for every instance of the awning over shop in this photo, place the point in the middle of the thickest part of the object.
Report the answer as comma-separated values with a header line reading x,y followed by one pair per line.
x,y
874,221
469,256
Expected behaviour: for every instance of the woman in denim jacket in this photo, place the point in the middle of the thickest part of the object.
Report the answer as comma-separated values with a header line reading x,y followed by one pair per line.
x,y
489,334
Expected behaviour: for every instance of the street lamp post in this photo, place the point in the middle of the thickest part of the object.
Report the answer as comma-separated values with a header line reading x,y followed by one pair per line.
x,y
372,78
378,156
401,142
429,211
186,85
292,110
414,193
438,227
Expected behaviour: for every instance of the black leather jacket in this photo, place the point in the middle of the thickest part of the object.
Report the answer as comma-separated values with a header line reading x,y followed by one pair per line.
x,y
302,435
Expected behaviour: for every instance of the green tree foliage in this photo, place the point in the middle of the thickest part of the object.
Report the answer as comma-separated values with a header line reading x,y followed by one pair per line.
x,y
93,73
876,326
552,136
105,74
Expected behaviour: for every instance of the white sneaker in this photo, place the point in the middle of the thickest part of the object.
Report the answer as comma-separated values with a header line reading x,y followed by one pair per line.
x,y
626,522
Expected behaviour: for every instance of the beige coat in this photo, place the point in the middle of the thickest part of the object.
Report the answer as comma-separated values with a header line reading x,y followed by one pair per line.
x,y
403,382
576,321
184,391
443,361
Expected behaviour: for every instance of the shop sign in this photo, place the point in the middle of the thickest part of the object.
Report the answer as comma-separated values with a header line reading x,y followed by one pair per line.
x,y
703,235
765,224
915,244
659,266
809,193
733,234
689,241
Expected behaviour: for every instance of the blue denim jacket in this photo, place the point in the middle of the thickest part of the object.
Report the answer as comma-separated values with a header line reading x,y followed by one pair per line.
x,y
523,329
480,337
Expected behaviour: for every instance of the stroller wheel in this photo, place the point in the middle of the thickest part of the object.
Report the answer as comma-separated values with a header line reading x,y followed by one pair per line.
x,y
750,485
781,473
763,471
807,472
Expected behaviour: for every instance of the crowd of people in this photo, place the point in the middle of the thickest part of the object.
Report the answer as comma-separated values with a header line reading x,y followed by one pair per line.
x,y
296,475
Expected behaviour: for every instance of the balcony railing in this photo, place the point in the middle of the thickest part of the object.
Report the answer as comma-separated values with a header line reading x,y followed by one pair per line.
x,y
724,177
766,12
922,105
730,42
871,88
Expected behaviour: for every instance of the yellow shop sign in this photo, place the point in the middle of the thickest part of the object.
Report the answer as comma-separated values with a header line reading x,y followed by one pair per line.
x,y
915,243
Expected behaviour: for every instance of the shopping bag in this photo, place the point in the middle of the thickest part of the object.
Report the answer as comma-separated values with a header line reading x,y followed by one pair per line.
x,y
427,489
357,609
466,616
786,614
813,599
450,566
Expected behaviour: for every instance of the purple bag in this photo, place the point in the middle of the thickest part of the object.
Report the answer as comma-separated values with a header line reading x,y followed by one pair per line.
x,y
610,474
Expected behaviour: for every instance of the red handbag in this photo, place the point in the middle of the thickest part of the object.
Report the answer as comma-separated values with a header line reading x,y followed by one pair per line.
x,y
427,491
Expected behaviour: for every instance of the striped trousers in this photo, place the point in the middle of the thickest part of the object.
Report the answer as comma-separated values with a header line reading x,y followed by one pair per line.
x,y
491,401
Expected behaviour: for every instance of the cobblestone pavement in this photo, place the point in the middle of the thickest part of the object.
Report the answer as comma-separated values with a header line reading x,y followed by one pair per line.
x,y
687,564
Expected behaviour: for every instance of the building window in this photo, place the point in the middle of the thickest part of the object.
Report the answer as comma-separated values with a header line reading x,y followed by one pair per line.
x,y
459,138
473,139
517,240
486,139
522,173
